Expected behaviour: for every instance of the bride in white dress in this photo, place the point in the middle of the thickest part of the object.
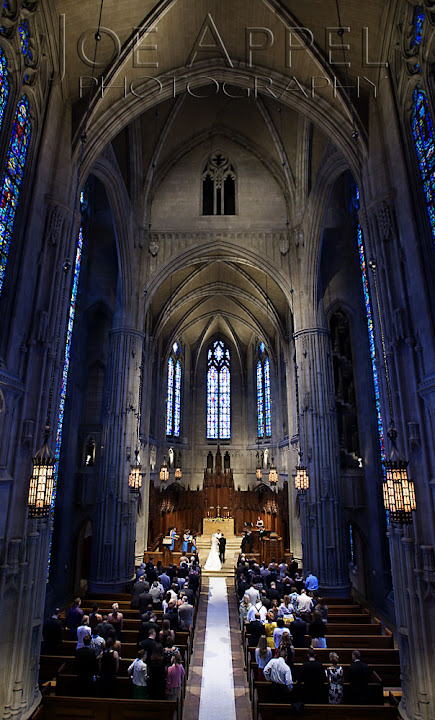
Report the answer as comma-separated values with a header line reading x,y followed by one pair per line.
x,y
213,562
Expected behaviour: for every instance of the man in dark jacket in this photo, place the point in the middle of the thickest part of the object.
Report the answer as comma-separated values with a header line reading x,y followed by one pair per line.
x,y
359,676
74,618
312,679
299,630
145,599
85,665
52,634
255,629
137,589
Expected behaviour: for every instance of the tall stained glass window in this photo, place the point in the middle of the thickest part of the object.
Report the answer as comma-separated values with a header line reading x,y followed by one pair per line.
x,y
66,362
370,328
173,398
264,424
4,85
24,31
417,26
12,179
423,132
218,392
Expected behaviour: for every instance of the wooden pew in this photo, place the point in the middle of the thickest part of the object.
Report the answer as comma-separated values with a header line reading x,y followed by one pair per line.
x,y
52,665
388,674
128,650
274,711
371,656
66,708
351,642
264,692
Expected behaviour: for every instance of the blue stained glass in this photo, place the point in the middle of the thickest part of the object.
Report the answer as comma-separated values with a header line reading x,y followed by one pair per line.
x,y
417,21
177,399
267,397
170,397
66,363
218,392
173,399
369,316
422,130
260,400
264,424
4,85
352,552
212,403
12,180
224,404
24,31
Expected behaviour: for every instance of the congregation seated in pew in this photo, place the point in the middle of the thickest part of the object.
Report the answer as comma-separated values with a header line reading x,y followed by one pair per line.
x,y
98,667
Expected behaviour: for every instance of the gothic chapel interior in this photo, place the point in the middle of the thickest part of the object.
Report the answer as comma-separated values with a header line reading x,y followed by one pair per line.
x,y
217,226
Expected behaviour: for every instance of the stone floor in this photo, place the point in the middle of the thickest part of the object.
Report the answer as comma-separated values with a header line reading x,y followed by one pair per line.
x,y
193,691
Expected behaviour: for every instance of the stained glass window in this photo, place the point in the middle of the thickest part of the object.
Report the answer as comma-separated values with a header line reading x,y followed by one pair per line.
x,y
370,328
4,85
351,546
417,26
264,423
260,400
177,399
12,180
24,32
218,186
422,129
218,392
173,397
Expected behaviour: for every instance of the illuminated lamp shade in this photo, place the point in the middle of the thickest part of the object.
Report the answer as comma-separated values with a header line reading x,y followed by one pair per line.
x,y
42,481
399,493
258,472
273,474
164,472
302,481
135,476
178,472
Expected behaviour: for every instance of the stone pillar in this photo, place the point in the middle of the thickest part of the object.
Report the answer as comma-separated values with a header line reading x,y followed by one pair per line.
x,y
322,524
22,593
115,515
413,582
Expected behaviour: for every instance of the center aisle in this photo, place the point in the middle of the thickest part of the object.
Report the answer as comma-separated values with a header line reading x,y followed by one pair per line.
x,y
217,685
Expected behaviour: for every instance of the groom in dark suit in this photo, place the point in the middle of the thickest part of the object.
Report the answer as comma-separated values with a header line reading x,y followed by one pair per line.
x,y
222,545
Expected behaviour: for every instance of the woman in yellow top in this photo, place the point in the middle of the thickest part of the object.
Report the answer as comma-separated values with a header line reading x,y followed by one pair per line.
x,y
269,627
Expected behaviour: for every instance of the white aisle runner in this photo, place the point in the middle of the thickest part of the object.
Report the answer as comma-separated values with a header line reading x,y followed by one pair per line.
x,y
217,686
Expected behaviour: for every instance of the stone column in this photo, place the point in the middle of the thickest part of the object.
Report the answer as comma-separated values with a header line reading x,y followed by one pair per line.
x,y
322,525
413,583
115,516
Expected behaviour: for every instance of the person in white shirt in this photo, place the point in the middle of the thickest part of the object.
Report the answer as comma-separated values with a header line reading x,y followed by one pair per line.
x,y
279,673
279,632
253,593
83,630
257,608
138,672
97,643
305,604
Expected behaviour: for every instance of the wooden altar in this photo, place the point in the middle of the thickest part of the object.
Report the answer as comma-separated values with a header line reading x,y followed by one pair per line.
x,y
212,525
183,508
